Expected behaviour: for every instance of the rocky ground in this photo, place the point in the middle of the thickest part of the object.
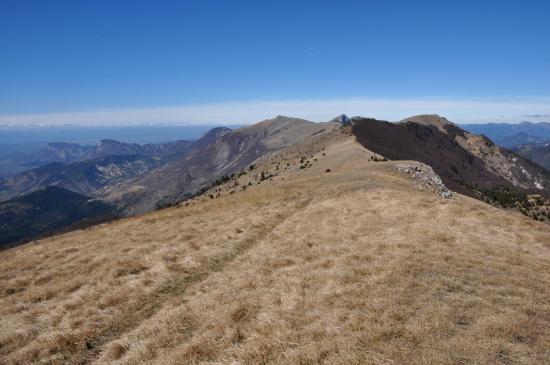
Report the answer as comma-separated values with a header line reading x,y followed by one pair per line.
x,y
425,178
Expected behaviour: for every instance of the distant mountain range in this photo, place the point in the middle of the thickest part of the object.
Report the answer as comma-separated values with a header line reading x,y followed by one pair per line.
x,y
527,139
511,135
83,177
72,152
536,152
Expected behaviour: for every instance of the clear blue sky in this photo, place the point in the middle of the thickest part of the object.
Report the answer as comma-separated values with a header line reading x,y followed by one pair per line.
x,y
70,56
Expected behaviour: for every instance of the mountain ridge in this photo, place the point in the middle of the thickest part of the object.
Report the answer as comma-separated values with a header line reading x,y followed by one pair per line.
x,y
171,173
211,159
448,149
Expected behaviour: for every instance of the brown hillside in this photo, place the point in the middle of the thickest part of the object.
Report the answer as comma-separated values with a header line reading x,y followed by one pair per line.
x,y
464,160
319,255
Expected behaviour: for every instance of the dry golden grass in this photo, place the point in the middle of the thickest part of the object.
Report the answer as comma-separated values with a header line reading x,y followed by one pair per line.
x,y
351,266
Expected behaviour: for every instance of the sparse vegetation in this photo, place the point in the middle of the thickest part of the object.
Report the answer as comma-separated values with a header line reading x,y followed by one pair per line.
x,y
265,175
533,206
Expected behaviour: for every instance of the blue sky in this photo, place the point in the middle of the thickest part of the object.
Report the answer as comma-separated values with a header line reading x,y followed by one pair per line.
x,y
199,61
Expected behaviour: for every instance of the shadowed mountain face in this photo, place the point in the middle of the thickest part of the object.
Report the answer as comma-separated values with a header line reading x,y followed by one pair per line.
x,y
46,211
463,160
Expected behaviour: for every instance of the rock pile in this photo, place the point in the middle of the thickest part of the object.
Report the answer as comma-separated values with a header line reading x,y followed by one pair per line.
x,y
425,177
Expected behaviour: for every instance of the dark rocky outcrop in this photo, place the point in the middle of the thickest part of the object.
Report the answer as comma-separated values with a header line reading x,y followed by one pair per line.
x,y
466,162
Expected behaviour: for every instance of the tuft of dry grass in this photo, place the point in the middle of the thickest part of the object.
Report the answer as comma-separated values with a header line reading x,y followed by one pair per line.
x,y
352,267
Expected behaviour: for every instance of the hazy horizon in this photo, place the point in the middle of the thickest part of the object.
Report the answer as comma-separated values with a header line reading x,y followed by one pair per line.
x,y
458,111
134,63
